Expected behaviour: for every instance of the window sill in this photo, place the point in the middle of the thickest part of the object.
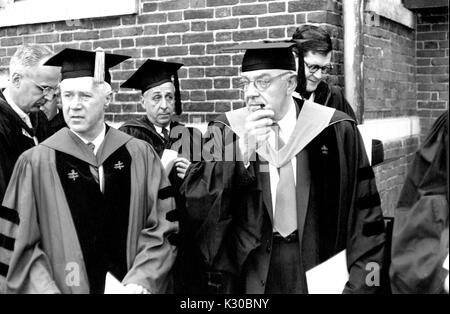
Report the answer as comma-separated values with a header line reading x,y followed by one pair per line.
x,y
43,11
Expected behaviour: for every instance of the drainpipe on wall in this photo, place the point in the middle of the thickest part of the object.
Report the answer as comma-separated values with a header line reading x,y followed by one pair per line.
x,y
353,11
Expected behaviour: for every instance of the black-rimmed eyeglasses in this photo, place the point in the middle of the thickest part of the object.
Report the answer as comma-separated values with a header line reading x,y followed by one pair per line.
x,y
313,68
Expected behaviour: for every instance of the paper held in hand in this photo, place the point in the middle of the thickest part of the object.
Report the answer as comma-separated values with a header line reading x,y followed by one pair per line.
x,y
329,277
445,265
168,158
114,286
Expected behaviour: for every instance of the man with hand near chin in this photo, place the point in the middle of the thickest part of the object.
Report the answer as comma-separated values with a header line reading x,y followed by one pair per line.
x,y
287,186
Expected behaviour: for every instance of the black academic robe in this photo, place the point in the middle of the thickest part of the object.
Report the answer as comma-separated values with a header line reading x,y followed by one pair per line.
x,y
420,241
61,234
231,212
187,142
333,97
15,138
40,125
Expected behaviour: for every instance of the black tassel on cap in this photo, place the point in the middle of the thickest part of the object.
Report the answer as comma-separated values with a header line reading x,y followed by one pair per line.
x,y
178,105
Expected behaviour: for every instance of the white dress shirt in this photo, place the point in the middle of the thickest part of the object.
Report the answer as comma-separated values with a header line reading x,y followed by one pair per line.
x,y
97,142
159,130
311,98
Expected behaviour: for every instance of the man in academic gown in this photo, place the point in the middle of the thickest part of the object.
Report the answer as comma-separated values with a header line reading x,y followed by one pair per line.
x,y
161,100
22,125
420,239
315,45
87,201
264,213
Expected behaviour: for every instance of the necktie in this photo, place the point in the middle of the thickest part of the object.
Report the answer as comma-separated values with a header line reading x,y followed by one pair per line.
x,y
94,170
165,133
285,220
27,121
166,136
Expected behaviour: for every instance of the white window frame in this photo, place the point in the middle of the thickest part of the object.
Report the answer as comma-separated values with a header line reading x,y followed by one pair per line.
x,y
44,11
392,10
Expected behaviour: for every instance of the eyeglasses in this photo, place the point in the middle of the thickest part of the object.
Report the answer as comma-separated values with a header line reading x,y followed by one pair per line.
x,y
46,90
313,68
261,84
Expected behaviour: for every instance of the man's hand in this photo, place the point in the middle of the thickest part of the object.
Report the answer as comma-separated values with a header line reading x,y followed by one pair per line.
x,y
181,165
257,131
136,289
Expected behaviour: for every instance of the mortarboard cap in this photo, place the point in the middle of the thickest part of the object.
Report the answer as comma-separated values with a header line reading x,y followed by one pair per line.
x,y
154,73
266,55
80,63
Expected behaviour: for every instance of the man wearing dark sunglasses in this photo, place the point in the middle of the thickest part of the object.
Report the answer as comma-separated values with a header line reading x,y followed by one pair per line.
x,y
22,124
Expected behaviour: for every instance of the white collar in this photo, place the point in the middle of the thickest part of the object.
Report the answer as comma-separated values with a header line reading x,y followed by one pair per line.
x,y
297,95
22,115
311,98
97,141
159,129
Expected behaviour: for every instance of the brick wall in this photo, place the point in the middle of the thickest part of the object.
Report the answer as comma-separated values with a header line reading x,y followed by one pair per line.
x,y
432,65
405,74
189,31
391,175
389,69
390,91
424,93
